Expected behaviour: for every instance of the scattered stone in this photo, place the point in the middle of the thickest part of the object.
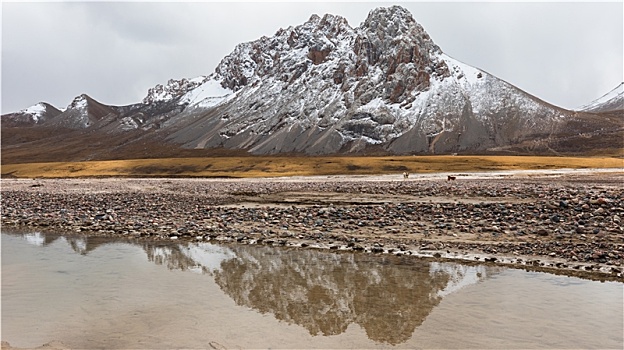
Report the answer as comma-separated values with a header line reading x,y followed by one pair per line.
x,y
542,232
494,217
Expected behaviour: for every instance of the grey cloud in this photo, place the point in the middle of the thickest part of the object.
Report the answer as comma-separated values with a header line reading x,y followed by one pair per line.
x,y
564,53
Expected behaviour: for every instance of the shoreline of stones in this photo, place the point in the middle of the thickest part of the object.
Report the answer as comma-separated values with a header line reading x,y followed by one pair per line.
x,y
570,225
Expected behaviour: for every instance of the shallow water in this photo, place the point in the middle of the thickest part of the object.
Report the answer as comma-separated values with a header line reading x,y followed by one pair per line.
x,y
101,293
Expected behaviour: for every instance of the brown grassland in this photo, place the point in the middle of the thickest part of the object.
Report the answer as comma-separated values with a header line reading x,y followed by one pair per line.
x,y
266,166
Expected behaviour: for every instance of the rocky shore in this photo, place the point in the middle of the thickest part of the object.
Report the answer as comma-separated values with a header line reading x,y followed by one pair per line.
x,y
569,222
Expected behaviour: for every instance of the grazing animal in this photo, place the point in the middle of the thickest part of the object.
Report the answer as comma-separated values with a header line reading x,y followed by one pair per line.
x,y
451,178
405,175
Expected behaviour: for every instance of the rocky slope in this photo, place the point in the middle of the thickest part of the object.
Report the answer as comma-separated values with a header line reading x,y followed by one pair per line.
x,y
324,87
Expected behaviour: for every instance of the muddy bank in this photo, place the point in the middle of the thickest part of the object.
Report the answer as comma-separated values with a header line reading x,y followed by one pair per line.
x,y
563,221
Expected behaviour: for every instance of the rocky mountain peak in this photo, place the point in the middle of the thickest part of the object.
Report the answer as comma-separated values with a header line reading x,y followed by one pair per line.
x,y
393,20
79,102
390,41
389,38
392,26
82,112
287,54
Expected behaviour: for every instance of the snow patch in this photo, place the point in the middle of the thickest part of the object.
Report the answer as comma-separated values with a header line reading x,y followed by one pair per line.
x,y
35,111
463,72
79,102
208,94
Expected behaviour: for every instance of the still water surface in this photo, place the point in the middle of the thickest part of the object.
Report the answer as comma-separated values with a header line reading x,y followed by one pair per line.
x,y
102,293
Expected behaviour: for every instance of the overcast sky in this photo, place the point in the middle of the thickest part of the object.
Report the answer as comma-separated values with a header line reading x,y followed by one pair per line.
x,y
566,53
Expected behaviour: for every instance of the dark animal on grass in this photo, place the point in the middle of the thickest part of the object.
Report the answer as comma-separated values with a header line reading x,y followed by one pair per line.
x,y
451,178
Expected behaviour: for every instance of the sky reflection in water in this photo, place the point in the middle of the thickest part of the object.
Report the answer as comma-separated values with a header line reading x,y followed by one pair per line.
x,y
329,294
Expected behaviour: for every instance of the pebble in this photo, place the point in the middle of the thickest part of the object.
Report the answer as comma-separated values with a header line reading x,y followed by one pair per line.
x,y
493,216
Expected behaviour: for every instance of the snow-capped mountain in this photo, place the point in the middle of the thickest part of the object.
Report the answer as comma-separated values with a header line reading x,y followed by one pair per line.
x,y
81,113
35,114
324,87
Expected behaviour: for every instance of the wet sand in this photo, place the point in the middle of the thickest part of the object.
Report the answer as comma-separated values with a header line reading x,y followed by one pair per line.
x,y
563,221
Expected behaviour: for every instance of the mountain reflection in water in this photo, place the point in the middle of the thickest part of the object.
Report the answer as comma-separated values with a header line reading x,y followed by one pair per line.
x,y
322,291
325,292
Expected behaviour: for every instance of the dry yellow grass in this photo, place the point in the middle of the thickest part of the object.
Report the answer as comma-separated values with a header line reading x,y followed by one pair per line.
x,y
297,166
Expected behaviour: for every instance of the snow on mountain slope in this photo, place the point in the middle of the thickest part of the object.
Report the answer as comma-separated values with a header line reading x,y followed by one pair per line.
x,y
35,112
83,112
208,94
325,87
31,116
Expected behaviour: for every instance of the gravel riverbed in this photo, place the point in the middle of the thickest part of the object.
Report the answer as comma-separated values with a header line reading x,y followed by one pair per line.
x,y
568,222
